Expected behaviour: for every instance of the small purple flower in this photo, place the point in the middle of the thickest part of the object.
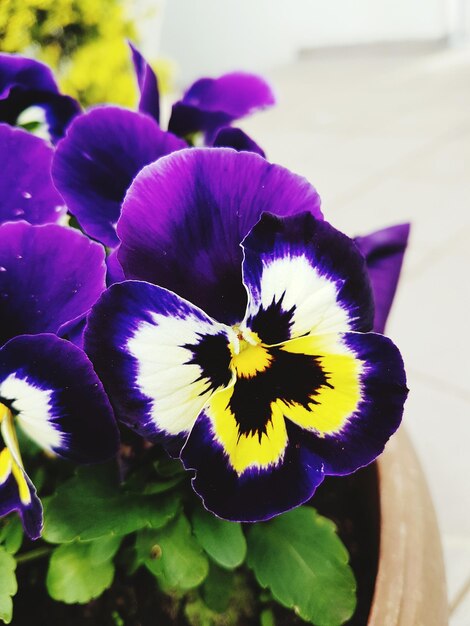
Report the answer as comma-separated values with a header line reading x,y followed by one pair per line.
x,y
49,278
211,103
288,385
25,83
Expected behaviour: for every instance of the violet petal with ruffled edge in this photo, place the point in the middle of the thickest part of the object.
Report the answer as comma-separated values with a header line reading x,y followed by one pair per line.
x,y
49,278
185,216
96,162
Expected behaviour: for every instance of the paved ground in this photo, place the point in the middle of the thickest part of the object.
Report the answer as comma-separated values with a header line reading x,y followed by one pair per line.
x,y
384,135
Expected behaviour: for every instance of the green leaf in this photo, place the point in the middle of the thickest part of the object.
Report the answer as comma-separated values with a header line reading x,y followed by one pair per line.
x,y
217,588
299,556
173,555
11,534
223,541
8,585
79,572
92,505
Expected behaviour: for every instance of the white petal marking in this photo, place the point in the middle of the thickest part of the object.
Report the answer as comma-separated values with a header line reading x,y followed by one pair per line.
x,y
34,410
164,374
301,287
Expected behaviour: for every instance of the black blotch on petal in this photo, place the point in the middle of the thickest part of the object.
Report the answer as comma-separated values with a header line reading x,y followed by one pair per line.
x,y
293,378
213,356
273,324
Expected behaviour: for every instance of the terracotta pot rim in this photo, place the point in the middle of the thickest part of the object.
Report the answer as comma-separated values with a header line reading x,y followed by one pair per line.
x,y
410,588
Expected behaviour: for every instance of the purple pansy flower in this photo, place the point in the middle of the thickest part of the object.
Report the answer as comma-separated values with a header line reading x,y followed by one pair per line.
x,y
25,83
211,103
26,188
49,278
264,386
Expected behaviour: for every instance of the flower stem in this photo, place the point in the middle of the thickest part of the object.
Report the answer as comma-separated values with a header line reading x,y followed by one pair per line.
x,y
32,555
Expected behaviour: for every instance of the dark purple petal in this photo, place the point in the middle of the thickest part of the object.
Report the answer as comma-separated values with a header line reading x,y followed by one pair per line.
x,y
26,189
56,398
30,513
235,138
260,492
98,159
24,83
304,277
383,391
148,85
384,251
49,276
214,102
158,356
184,217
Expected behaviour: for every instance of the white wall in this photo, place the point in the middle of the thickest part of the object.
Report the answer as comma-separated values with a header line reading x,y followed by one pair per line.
x,y
213,36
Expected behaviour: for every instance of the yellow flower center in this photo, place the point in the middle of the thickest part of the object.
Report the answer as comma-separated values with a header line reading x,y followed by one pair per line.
x,y
249,355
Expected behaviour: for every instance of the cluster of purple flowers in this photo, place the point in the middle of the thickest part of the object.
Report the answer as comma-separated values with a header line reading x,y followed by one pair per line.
x,y
205,302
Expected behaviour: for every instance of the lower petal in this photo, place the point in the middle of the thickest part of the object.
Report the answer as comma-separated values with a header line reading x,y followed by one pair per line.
x,y
245,478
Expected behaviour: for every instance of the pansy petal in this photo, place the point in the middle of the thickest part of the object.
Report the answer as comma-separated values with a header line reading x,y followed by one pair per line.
x,y
214,102
282,473
235,138
148,85
49,276
24,83
57,399
191,210
384,251
26,188
95,163
159,357
303,276
17,493
351,416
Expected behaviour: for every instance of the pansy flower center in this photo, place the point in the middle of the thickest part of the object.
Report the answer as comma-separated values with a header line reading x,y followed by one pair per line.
x,y
249,355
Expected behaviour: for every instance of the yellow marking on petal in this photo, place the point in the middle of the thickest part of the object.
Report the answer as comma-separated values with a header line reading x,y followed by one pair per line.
x,y
249,355
23,488
247,450
5,465
4,411
332,406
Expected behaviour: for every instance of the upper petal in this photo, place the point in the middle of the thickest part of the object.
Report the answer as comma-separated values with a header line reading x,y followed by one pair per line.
x,y
191,210
214,102
26,188
384,251
304,276
229,137
160,357
25,82
148,85
57,398
49,275
96,162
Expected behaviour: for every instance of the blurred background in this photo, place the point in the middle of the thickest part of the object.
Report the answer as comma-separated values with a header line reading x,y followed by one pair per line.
x,y
374,109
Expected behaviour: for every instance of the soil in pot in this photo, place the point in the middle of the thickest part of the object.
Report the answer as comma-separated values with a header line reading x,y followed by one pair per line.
x,y
351,502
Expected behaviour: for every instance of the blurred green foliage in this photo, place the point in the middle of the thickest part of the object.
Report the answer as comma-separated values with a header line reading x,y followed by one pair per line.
x,y
84,41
